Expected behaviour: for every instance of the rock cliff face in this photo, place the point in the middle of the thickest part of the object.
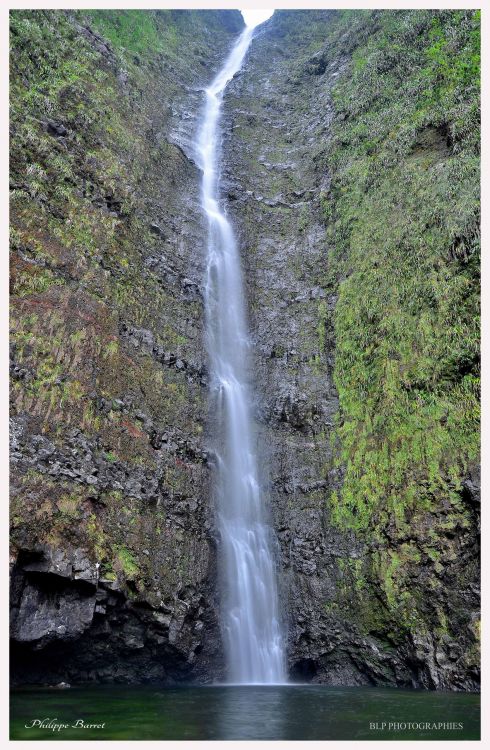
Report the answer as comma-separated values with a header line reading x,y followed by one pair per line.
x,y
113,540
278,120
113,550
391,597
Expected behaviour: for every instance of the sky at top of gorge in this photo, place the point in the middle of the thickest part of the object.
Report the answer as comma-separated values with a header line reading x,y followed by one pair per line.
x,y
253,17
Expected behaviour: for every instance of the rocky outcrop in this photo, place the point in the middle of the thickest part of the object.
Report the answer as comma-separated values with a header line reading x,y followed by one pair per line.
x,y
68,622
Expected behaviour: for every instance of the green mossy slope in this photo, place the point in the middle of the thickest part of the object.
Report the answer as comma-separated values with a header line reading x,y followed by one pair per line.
x,y
402,215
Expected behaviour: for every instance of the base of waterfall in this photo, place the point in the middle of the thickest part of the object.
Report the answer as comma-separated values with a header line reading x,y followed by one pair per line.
x,y
242,712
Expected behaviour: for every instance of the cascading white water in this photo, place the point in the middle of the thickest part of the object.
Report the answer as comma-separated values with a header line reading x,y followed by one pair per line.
x,y
249,609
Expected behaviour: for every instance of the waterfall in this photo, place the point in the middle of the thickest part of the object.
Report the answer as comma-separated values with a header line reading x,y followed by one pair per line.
x,y
249,608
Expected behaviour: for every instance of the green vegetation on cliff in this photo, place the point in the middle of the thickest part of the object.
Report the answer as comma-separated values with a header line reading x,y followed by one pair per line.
x,y
93,174
150,33
403,212
402,217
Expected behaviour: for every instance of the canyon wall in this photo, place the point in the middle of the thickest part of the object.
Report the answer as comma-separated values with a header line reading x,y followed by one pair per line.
x,y
113,549
350,171
351,158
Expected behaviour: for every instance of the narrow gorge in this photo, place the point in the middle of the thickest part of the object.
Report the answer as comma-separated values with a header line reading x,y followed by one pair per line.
x,y
349,173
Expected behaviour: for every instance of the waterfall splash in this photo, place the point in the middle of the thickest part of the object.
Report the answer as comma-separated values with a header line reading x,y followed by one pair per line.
x,y
249,611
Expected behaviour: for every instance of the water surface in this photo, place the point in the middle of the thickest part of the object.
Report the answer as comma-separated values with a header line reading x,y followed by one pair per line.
x,y
289,712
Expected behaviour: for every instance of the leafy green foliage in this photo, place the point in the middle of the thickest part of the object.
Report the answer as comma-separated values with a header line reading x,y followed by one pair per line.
x,y
133,30
403,221
127,561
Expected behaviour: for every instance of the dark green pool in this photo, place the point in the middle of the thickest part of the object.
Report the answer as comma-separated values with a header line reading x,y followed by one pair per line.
x,y
293,712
